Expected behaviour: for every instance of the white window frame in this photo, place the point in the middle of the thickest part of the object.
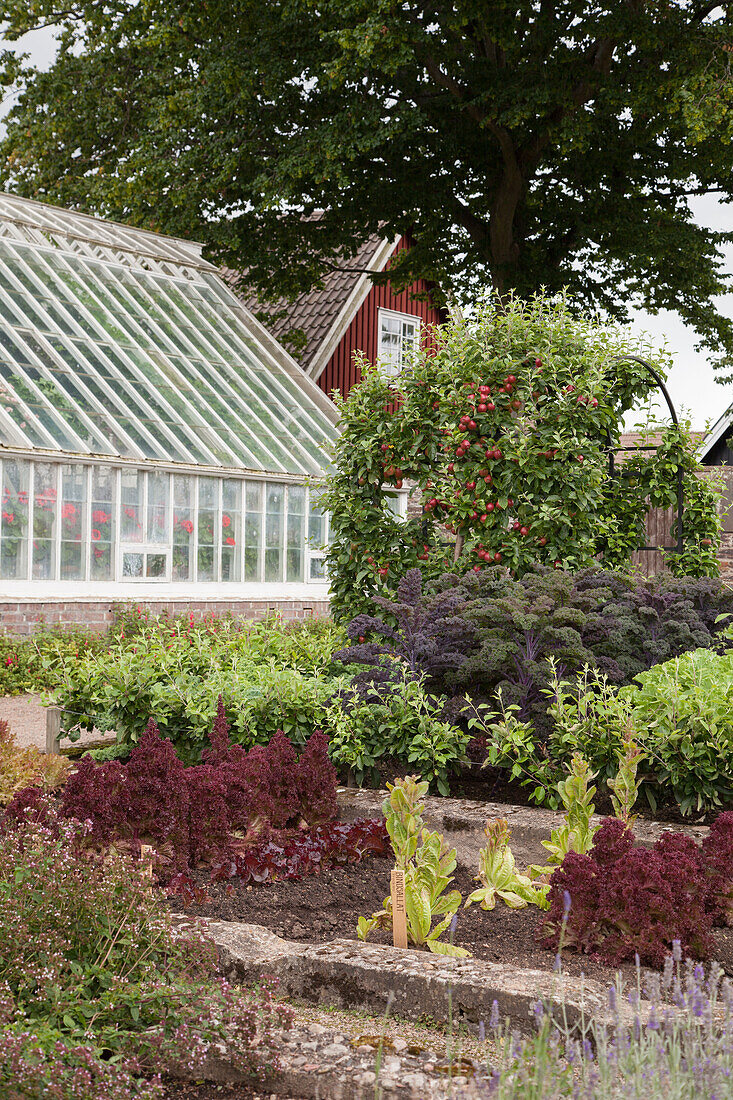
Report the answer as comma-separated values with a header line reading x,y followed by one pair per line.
x,y
388,367
119,587
316,553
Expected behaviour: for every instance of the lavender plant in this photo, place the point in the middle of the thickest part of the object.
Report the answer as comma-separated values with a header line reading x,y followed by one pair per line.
x,y
669,1035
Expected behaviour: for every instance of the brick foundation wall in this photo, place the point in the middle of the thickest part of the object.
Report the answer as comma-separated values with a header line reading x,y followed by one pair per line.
x,y
24,617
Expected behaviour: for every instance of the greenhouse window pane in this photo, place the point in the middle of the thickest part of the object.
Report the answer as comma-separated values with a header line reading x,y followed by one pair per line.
x,y
104,484
317,569
296,532
155,566
73,517
45,512
158,494
183,530
131,499
207,528
253,531
274,531
231,530
132,565
14,526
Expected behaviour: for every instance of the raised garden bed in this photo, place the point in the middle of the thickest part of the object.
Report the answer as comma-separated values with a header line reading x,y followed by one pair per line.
x,y
319,909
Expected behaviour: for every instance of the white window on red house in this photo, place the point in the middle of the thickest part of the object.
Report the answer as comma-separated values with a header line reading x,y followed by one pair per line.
x,y
399,334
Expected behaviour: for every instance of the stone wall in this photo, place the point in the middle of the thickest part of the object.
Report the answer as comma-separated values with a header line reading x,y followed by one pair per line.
x,y
24,617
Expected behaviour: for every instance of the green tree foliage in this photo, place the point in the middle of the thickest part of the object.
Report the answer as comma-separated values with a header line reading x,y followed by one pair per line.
x,y
530,144
506,430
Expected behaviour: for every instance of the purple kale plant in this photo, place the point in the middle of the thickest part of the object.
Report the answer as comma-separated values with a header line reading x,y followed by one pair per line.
x,y
418,636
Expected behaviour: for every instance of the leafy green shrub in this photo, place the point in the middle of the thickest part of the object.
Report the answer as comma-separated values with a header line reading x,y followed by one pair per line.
x,y
30,664
270,677
683,711
88,950
407,726
669,733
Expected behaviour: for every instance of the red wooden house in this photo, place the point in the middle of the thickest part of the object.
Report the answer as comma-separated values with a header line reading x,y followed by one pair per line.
x,y
325,327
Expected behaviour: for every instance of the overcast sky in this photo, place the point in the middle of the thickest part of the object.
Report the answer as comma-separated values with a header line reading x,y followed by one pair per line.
x,y
691,381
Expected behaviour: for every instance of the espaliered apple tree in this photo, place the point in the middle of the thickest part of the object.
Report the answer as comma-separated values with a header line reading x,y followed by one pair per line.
x,y
504,427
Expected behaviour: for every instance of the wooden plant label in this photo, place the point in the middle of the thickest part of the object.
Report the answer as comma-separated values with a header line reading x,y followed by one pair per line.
x,y
146,858
399,915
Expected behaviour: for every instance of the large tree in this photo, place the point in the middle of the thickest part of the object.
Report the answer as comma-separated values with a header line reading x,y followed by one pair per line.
x,y
528,144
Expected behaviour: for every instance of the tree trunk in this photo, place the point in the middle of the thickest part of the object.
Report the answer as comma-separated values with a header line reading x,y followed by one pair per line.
x,y
504,247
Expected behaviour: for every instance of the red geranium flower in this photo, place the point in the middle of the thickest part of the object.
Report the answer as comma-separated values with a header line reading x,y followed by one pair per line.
x,y
230,541
130,513
100,517
226,521
96,535
187,525
68,511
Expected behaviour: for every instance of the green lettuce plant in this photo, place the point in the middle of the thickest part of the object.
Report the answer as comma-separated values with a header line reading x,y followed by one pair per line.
x,y
576,832
499,876
428,864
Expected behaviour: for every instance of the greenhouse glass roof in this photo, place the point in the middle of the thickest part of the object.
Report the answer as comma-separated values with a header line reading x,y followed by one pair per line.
x,y
119,342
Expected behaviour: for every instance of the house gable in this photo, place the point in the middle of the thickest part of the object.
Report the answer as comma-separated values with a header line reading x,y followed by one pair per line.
x,y
357,328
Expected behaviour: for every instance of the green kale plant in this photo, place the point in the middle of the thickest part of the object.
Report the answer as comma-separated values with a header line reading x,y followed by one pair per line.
x,y
576,832
428,865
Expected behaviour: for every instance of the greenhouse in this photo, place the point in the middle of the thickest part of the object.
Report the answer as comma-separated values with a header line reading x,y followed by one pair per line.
x,y
156,442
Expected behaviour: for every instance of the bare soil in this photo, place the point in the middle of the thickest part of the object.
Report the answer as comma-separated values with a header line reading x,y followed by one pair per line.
x,y
317,909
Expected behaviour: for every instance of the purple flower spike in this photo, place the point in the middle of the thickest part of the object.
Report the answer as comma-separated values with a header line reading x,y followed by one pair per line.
x,y
566,902
677,951
494,1017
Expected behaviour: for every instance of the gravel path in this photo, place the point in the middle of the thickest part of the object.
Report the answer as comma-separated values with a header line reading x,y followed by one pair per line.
x,y
27,718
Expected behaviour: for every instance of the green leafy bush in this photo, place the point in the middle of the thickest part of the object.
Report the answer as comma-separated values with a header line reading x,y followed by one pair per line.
x,y
270,677
669,733
683,711
30,664
406,726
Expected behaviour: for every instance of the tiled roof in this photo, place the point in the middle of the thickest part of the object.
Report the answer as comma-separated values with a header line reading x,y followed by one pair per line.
x,y
639,439
312,314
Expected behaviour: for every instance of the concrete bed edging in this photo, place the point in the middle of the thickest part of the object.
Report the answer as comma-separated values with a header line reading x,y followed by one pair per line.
x,y
409,983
